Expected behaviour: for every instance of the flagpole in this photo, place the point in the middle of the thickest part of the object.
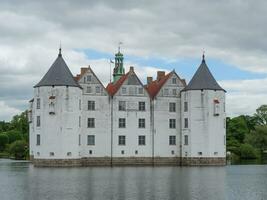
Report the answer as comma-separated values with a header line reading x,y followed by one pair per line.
x,y
109,71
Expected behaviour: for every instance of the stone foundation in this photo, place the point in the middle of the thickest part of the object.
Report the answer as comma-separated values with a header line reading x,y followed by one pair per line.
x,y
129,161
203,161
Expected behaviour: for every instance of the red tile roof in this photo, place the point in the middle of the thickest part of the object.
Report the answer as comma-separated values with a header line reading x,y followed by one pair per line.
x,y
112,88
154,87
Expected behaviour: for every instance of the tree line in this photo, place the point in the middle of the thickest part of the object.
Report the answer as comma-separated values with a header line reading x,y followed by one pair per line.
x,y
246,135
14,137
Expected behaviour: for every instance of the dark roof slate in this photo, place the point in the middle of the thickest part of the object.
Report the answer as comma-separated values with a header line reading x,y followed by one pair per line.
x,y
203,79
58,75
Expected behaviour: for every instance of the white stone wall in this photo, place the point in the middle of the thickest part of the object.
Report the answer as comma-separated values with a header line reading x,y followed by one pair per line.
x,y
132,115
59,132
162,115
206,132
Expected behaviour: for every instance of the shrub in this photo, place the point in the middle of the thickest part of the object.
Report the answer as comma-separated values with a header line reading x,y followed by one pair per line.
x,y
3,141
247,151
18,149
13,135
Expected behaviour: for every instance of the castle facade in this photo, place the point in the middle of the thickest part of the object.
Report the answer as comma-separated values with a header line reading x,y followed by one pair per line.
x,y
77,121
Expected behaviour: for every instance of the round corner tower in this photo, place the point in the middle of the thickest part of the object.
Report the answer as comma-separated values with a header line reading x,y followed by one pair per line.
x,y
56,117
203,120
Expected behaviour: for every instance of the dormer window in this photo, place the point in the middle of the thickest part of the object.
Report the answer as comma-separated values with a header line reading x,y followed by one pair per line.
x,y
123,90
97,89
174,81
216,104
140,90
88,89
89,78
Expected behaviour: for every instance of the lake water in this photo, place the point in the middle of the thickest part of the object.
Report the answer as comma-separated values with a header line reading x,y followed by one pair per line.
x,y
20,180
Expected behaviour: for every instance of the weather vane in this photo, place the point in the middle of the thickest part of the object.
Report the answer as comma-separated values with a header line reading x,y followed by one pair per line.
x,y
119,48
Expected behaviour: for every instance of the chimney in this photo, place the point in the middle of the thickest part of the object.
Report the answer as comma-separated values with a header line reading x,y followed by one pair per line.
x,y
160,75
83,70
149,79
131,68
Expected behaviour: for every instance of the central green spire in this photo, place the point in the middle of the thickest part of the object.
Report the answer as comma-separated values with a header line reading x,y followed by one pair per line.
x,y
118,71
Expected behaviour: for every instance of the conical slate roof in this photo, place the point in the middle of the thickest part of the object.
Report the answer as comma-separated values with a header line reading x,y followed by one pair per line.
x,y
203,79
58,75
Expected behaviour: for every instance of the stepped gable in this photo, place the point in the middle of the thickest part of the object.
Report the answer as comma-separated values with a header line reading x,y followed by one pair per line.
x,y
58,75
203,79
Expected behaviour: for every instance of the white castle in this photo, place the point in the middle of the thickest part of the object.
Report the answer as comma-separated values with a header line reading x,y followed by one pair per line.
x,y
76,121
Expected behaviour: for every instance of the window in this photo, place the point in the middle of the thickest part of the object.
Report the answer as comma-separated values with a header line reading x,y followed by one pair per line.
x,y
89,89
174,92
122,140
142,105
97,89
173,80
38,121
172,140
215,153
172,107
185,122
79,140
90,140
122,152
38,140
90,152
89,78
172,152
80,104
122,105
123,90
140,90
79,121
136,152
51,153
38,103
141,123
91,123
91,105
185,106
172,123
186,140
141,140
122,123
69,154
200,153
166,91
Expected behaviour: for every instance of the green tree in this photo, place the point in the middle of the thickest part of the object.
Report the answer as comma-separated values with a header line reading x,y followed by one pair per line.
x,y
258,138
247,151
236,128
19,149
13,135
3,141
261,115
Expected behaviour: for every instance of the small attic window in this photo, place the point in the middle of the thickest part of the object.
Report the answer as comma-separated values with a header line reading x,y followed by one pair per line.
x,y
216,104
89,78
174,81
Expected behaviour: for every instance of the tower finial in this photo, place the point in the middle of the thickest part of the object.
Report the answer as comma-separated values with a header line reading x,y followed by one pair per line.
x,y
59,51
119,47
203,56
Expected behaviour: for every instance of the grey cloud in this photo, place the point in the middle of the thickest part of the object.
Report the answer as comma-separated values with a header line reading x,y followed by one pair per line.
x,y
233,31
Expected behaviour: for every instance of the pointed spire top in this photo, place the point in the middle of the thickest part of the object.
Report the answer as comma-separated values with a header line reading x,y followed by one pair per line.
x,y
203,56
59,50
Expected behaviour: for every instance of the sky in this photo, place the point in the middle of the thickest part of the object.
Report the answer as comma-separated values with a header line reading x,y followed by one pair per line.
x,y
156,35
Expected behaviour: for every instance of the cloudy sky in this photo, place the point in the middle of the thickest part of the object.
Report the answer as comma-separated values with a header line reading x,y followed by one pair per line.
x,y
155,34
